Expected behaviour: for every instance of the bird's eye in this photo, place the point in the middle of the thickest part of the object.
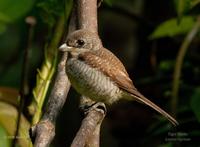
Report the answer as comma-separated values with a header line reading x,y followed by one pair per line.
x,y
80,42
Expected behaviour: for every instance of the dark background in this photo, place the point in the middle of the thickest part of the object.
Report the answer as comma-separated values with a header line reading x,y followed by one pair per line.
x,y
125,28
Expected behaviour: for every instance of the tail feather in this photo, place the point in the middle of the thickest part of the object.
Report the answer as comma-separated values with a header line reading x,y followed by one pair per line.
x,y
140,98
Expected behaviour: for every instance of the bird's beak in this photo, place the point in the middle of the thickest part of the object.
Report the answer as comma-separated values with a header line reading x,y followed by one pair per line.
x,y
65,48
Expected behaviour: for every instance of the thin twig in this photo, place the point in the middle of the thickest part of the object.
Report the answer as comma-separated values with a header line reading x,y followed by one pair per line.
x,y
24,88
179,62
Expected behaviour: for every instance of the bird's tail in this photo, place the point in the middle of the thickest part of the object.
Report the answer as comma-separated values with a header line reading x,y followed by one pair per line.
x,y
140,98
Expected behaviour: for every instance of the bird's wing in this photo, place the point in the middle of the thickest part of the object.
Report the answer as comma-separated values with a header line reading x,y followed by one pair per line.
x,y
111,66
105,54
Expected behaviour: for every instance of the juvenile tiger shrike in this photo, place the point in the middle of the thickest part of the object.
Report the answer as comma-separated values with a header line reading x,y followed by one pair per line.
x,y
97,73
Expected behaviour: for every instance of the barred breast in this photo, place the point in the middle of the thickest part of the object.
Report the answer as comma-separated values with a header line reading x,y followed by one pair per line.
x,y
92,83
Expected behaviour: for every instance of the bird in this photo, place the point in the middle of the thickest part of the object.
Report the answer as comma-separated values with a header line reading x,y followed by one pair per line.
x,y
95,72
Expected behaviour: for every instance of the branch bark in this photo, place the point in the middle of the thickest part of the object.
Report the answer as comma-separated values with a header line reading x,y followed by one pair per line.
x,y
89,132
87,15
44,131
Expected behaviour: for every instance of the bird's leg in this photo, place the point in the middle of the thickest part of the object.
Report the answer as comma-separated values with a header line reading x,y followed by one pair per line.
x,y
87,105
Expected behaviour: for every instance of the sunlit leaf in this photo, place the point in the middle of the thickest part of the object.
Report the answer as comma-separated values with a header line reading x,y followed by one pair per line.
x,y
4,142
8,117
195,103
171,28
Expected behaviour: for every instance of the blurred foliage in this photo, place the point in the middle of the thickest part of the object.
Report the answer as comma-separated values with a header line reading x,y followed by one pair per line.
x,y
194,2
149,34
12,14
4,142
171,28
8,117
166,65
182,7
109,2
50,10
166,145
10,11
195,103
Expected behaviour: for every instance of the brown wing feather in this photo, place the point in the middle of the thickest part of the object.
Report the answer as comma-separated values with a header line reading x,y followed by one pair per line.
x,y
113,60
111,66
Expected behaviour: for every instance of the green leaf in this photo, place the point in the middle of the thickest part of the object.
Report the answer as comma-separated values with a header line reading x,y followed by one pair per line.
x,y
8,117
182,6
4,18
170,28
166,65
109,2
49,11
195,103
4,142
2,28
11,10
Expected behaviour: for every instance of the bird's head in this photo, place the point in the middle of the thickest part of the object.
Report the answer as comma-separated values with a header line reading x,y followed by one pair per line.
x,y
81,41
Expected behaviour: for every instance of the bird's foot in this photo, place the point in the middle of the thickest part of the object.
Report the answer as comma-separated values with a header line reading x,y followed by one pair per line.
x,y
87,105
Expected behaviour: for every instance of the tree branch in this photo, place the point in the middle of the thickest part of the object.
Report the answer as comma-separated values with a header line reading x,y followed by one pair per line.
x,y
89,132
44,131
87,14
